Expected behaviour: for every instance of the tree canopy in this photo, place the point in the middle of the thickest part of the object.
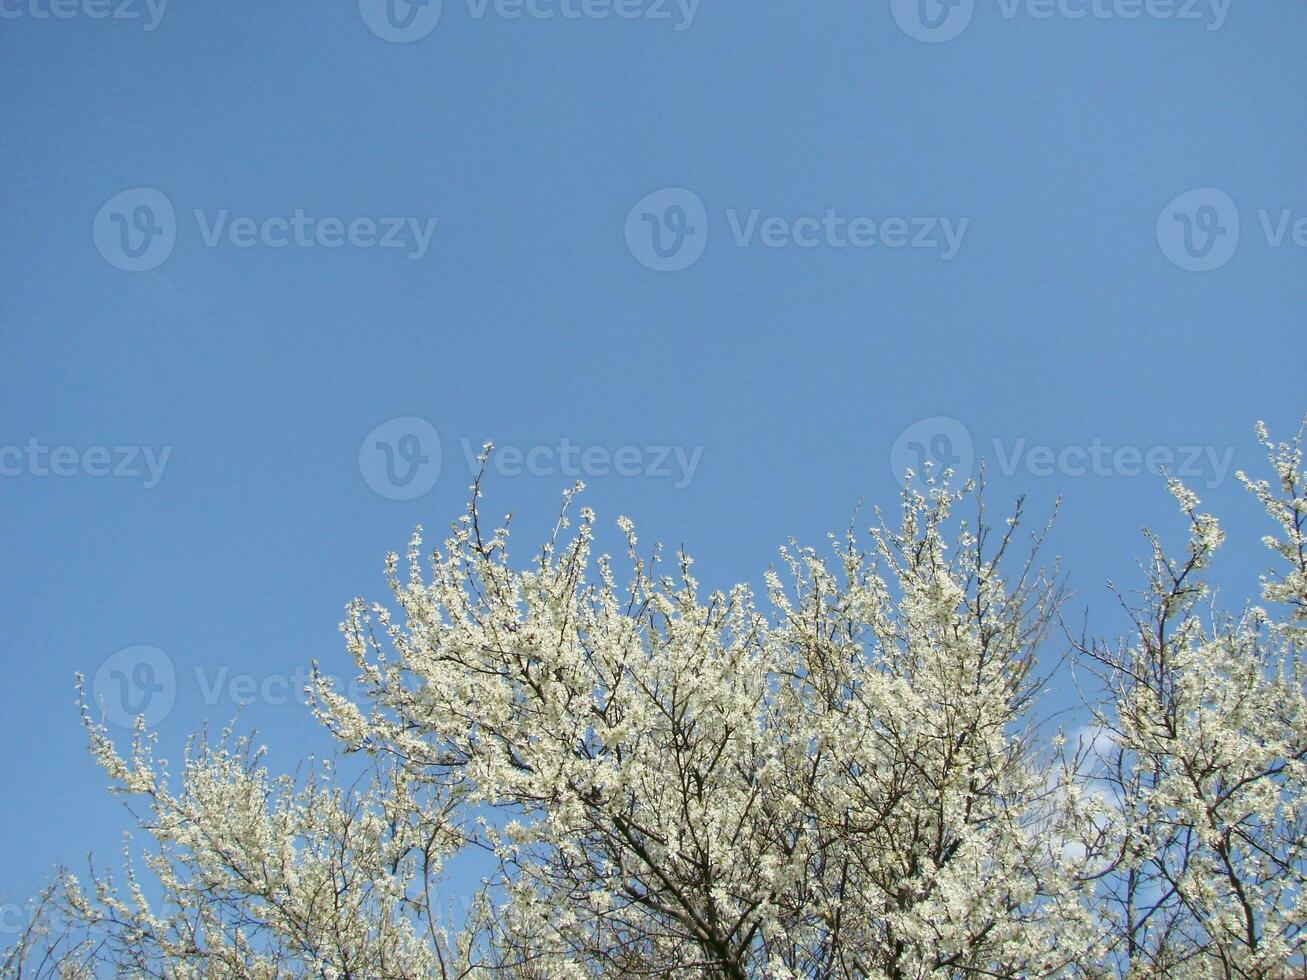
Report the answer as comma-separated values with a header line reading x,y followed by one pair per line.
x,y
852,774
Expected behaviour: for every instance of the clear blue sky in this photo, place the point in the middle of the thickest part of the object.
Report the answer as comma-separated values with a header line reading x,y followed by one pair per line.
x,y
1070,312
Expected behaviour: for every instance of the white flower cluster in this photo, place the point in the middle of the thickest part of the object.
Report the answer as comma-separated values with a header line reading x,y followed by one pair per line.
x,y
852,779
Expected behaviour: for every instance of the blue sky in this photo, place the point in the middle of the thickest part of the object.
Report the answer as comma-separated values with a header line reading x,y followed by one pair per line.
x,y
270,277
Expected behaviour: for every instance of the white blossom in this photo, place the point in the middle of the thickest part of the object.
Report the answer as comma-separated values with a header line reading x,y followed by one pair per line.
x,y
855,777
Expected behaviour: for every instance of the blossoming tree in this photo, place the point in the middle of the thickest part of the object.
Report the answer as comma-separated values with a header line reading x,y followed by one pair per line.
x,y
851,777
